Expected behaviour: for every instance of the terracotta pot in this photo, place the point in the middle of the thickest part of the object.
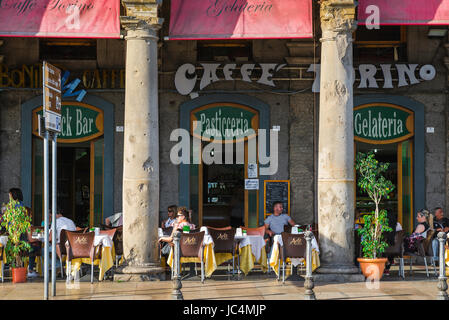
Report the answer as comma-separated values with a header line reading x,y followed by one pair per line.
x,y
19,275
372,268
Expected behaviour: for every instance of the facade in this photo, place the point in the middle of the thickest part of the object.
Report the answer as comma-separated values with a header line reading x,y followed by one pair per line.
x,y
113,158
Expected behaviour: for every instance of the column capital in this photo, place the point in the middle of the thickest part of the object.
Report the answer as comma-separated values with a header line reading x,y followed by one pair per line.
x,y
338,15
141,14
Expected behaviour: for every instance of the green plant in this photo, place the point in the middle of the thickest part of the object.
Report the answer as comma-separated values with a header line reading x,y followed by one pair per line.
x,y
372,181
17,223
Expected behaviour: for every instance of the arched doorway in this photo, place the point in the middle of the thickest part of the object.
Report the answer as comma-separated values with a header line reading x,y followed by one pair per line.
x,y
215,192
85,161
393,127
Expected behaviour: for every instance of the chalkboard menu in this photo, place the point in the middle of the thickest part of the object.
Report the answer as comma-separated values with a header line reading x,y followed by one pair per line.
x,y
276,190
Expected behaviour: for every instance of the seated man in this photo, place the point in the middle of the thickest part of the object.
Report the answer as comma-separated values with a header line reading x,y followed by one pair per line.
x,y
440,224
62,223
116,220
274,224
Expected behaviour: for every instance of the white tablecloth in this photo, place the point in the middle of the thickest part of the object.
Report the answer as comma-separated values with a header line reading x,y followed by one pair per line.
x,y
295,261
3,240
256,242
103,239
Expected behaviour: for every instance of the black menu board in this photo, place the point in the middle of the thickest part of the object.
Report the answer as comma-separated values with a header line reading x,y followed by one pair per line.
x,y
276,190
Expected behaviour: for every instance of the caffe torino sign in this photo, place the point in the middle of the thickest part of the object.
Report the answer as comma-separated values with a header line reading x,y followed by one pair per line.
x,y
187,75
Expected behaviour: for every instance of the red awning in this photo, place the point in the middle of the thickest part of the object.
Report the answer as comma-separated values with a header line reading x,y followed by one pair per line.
x,y
59,18
406,12
240,19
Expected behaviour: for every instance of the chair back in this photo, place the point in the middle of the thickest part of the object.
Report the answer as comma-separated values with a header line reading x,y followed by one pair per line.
x,y
427,243
109,232
260,231
80,245
294,245
219,229
191,244
60,247
81,229
223,240
288,228
118,241
106,227
398,248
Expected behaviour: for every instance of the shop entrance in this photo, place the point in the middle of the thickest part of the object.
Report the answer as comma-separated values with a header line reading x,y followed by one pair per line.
x,y
217,190
80,165
388,131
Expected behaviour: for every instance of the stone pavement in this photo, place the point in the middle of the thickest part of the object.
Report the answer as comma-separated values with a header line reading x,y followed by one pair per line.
x,y
255,287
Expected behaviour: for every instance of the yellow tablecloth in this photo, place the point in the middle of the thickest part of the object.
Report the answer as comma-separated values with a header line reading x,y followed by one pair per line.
x,y
210,264
247,259
3,262
105,261
274,260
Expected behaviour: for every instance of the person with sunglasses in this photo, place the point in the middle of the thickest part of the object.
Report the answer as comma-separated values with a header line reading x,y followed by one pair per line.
x,y
425,223
171,217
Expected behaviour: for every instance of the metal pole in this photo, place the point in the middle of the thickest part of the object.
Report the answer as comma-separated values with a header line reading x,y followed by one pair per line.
x,y
442,284
308,284
177,285
53,217
46,215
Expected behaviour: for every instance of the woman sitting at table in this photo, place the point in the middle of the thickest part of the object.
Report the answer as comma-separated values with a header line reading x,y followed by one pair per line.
x,y
181,221
425,220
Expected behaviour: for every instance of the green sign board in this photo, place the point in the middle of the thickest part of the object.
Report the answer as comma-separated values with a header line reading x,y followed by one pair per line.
x,y
382,123
224,121
79,122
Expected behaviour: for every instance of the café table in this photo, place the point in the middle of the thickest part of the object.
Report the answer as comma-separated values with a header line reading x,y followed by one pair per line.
x,y
3,242
275,251
251,251
210,264
104,259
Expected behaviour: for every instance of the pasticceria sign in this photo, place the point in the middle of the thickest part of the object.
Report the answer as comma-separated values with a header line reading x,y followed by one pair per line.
x,y
224,121
80,122
382,123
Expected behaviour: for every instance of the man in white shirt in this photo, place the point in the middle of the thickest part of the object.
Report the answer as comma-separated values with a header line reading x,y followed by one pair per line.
x,y
63,223
116,220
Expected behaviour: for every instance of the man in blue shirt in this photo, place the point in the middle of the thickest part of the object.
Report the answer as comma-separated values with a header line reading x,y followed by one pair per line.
x,y
274,224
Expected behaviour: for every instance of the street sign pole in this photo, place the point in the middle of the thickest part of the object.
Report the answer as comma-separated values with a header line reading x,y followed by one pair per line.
x,y
46,215
52,114
53,218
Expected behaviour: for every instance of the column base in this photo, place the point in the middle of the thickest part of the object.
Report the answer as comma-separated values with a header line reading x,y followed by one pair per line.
x,y
338,273
150,272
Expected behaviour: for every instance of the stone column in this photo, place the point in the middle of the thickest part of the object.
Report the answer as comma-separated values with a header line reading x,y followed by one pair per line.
x,y
141,143
336,144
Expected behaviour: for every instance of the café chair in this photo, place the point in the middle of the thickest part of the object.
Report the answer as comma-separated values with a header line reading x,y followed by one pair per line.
x,y
191,246
294,246
118,244
80,246
397,251
60,247
224,243
424,251
220,229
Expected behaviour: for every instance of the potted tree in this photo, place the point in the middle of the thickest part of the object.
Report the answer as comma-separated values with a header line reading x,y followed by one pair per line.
x,y
17,223
372,181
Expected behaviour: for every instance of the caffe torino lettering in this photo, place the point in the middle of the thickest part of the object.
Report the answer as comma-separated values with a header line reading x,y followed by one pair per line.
x,y
406,74
186,76
220,7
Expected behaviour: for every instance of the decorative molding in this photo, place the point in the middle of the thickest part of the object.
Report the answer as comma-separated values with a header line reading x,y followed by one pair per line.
x,y
141,14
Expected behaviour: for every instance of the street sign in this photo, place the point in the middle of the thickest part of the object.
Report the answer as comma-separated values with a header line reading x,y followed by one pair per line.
x,y
52,97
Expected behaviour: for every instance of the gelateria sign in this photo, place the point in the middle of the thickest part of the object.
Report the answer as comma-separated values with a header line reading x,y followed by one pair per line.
x,y
224,121
80,122
382,123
